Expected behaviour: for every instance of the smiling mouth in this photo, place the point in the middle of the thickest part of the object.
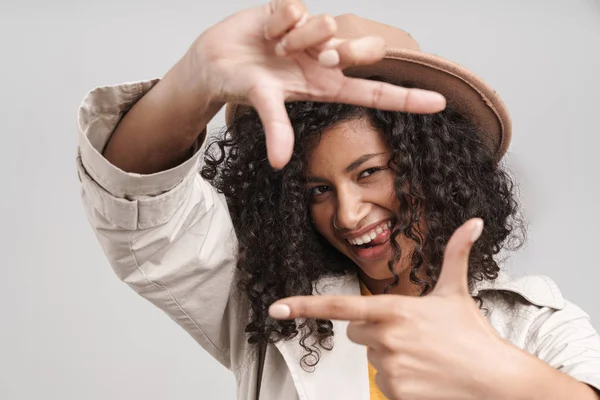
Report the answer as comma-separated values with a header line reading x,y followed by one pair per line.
x,y
374,248
375,236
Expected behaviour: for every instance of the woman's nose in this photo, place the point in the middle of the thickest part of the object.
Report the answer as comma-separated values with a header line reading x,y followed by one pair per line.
x,y
351,208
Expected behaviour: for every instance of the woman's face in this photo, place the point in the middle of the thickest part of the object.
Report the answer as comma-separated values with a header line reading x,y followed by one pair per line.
x,y
352,187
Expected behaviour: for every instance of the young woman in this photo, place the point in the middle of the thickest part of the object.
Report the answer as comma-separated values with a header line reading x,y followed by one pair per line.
x,y
356,185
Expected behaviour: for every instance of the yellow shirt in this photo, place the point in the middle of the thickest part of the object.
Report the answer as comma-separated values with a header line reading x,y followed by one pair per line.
x,y
374,389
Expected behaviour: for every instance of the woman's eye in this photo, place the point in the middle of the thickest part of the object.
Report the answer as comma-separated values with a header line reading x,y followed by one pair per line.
x,y
369,172
318,190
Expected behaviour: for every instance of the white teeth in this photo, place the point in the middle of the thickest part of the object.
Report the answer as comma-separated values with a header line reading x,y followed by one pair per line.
x,y
369,236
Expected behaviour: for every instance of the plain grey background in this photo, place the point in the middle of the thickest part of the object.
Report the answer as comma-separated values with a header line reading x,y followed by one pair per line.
x,y
71,330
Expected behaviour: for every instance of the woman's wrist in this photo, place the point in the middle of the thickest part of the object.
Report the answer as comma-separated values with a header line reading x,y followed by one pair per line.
x,y
161,128
521,375
202,72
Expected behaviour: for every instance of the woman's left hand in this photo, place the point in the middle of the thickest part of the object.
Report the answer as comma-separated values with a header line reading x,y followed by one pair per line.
x,y
433,347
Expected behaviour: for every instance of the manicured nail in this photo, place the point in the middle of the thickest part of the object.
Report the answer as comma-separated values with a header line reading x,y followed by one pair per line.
x,y
280,311
280,48
477,229
329,58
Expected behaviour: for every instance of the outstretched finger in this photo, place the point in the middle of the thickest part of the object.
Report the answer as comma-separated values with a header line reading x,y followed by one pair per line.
x,y
346,308
387,96
270,106
455,268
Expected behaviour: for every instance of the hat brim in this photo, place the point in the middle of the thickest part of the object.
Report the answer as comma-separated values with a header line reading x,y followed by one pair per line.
x,y
464,91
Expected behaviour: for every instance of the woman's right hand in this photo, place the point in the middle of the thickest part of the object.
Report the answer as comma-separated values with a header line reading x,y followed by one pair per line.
x,y
267,55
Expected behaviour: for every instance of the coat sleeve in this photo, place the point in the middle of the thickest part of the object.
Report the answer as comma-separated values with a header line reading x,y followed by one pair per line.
x,y
167,235
566,340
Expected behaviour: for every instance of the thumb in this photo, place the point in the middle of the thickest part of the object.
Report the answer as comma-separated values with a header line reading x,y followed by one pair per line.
x,y
453,278
270,105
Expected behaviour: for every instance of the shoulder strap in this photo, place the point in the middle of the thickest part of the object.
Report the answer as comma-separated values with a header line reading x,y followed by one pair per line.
x,y
262,350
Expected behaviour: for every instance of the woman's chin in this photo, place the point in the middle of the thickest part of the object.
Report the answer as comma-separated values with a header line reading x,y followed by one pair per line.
x,y
377,271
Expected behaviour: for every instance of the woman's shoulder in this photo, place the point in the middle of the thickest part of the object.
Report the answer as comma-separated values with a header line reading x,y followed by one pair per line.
x,y
526,290
526,309
531,313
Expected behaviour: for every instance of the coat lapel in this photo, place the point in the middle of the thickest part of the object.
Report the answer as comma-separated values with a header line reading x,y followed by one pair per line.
x,y
341,373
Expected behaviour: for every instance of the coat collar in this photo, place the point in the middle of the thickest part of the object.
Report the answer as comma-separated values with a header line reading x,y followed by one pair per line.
x,y
341,373
535,289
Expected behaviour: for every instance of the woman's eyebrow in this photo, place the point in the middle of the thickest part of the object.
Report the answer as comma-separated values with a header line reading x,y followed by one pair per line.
x,y
360,160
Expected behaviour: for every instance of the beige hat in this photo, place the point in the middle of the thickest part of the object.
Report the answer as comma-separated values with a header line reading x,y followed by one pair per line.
x,y
405,63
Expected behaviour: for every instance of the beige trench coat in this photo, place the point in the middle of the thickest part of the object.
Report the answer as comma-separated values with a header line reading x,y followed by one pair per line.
x,y
169,237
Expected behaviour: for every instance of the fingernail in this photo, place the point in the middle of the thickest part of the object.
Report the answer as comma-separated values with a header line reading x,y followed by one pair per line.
x,y
280,48
477,229
329,58
267,33
280,311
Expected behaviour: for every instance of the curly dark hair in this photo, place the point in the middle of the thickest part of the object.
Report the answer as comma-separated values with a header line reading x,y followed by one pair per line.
x,y
445,174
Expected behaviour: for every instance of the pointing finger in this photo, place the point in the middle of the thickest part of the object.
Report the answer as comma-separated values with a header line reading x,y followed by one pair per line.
x,y
386,96
346,308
